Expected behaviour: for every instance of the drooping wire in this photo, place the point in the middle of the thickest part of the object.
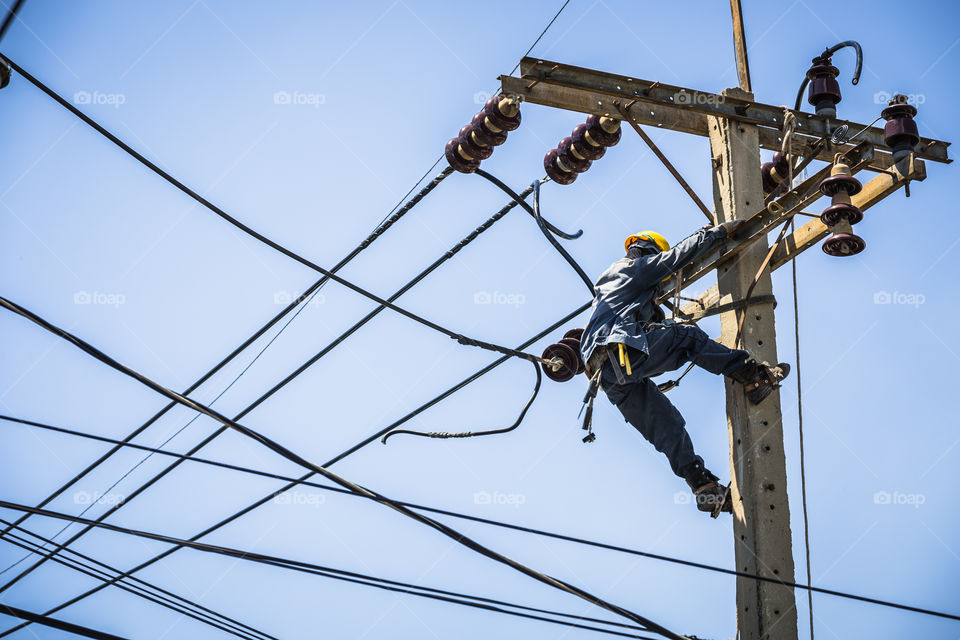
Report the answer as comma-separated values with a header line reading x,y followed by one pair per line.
x,y
491,522
276,447
339,574
471,434
545,228
829,51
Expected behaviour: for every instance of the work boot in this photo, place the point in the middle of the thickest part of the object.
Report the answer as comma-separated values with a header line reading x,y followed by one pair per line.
x,y
711,496
759,379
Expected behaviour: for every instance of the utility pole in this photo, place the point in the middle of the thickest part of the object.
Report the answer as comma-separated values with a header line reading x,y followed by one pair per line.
x,y
737,128
758,471
763,543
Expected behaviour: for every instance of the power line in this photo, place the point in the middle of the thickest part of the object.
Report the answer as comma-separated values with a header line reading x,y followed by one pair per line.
x,y
10,17
356,447
311,291
381,228
303,462
462,339
448,255
501,524
54,623
85,564
329,572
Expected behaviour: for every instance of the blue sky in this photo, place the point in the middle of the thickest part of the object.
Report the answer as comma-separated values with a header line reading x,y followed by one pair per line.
x,y
376,90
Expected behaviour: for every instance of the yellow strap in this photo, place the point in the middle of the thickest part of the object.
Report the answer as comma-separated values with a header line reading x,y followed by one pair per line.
x,y
624,359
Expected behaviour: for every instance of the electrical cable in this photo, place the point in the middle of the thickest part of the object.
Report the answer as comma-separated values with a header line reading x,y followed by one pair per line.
x,y
227,625
303,462
54,623
10,17
495,523
544,227
803,473
329,572
471,434
376,233
460,338
487,224
344,454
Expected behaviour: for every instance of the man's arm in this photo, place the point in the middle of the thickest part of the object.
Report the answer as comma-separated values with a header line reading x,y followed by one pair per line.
x,y
686,251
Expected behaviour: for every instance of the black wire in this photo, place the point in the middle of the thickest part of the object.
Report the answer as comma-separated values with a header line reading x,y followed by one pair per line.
x,y
829,52
10,17
469,238
353,449
54,623
470,434
535,212
376,233
102,576
497,523
542,33
303,462
462,339
330,572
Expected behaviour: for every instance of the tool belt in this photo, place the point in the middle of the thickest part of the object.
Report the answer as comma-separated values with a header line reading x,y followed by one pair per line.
x,y
618,356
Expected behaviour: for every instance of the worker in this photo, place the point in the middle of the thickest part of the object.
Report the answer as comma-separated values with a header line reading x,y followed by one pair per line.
x,y
628,341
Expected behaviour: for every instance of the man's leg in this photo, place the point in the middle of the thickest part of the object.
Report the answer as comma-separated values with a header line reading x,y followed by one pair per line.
x,y
651,413
674,346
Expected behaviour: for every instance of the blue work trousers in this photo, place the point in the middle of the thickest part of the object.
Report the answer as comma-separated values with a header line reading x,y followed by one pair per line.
x,y
645,407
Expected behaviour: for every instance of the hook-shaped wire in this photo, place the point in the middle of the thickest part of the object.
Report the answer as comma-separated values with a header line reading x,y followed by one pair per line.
x,y
470,434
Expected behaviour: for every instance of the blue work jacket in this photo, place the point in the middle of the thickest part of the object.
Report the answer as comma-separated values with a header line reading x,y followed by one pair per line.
x,y
626,293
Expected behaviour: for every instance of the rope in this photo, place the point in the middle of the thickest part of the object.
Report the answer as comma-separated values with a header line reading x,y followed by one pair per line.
x,y
495,523
756,279
303,462
336,574
803,475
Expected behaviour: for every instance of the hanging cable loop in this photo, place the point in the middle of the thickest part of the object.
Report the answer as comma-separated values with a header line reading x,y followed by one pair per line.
x,y
471,434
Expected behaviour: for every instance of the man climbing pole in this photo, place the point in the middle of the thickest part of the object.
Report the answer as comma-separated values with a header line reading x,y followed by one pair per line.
x,y
628,341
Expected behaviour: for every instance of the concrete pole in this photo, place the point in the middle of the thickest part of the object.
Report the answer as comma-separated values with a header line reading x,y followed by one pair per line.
x,y
761,513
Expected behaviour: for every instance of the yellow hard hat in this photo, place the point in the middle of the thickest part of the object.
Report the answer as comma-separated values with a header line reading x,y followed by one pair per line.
x,y
652,236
